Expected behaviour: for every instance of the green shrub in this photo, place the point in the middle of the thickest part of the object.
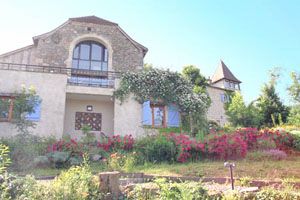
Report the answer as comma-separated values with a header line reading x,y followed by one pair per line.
x,y
122,162
59,159
271,193
76,183
24,148
156,149
181,191
140,193
4,158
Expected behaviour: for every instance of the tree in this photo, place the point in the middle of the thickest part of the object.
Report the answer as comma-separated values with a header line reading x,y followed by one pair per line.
x,y
197,122
239,114
192,73
270,106
294,89
24,104
294,116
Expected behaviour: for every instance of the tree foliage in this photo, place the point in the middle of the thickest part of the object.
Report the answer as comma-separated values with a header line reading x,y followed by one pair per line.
x,y
294,89
270,106
294,115
24,104
239,114
192,73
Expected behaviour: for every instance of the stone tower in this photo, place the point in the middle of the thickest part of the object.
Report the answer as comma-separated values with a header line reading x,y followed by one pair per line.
x,y
223,78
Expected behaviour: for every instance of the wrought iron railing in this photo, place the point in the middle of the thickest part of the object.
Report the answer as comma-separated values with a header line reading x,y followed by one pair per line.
x,y
92,78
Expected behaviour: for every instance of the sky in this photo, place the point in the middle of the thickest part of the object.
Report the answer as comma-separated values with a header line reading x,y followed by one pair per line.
x,y
250,36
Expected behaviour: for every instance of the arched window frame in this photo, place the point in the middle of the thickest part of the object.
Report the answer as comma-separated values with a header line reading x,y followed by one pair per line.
x,y
103,61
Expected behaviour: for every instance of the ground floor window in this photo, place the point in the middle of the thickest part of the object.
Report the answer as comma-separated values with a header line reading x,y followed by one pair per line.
x,y
94,120
158,115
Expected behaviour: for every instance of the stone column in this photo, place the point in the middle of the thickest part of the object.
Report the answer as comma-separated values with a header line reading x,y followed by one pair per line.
x,y
109,183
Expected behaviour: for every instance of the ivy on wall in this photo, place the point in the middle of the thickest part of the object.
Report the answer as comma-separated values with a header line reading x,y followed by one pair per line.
x,y
165,87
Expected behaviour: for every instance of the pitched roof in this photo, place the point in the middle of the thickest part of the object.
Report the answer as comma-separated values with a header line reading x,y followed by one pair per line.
x,y
223,72
92,19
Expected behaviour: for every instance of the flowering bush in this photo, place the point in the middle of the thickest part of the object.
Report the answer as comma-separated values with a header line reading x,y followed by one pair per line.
x,y
116,142
71,146
227,146
187,148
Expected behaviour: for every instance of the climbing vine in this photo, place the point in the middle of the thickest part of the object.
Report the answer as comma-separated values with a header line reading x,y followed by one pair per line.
x,y
165,87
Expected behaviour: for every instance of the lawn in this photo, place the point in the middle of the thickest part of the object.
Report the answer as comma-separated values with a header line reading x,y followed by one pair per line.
x,y
262,170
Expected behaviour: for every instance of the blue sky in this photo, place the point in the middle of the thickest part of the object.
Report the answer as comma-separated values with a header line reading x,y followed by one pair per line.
x,y
251,37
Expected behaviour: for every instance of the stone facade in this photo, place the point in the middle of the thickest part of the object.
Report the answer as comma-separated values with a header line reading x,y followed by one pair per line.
x,y
216,111
56,47
60,101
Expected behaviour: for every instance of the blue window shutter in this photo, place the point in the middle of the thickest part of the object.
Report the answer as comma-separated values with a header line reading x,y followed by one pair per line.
x,y
147,115
173,116
36,115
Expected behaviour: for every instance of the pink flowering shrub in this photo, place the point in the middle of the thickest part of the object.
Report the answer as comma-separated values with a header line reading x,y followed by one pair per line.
x,y
187,148
227,146
116,142
71,146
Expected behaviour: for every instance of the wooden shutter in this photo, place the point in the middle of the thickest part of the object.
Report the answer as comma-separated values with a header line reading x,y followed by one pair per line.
x,y
147,114
173,116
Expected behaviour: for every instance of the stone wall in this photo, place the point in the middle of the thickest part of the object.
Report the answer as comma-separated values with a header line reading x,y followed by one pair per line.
x,y
216,111
56,47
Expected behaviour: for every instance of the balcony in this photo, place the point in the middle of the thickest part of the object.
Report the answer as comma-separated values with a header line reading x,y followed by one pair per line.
x,y
77,77
92,78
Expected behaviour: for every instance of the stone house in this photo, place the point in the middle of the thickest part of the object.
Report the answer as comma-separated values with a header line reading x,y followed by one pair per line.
x,y
222,82
75,69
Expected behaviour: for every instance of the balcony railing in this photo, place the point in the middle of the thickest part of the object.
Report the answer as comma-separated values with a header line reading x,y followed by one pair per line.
x,y
91,78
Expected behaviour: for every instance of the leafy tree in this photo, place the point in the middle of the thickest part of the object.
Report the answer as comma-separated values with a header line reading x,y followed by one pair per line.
x,y
239,114
192,73
270,106
197,122
24,103
294,116
294,89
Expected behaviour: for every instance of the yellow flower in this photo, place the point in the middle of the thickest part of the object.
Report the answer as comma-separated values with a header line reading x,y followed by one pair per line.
x,y
84,194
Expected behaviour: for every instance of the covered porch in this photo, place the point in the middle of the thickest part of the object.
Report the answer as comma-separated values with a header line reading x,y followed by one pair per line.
x,y
96,111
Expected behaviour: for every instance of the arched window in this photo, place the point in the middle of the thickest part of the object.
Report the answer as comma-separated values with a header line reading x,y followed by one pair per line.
x,y
90,55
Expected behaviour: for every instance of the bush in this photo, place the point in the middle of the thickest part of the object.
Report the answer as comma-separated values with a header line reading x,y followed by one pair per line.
x,y
116,143
227,146
24,148
187,148
181,191
76,183
270,193
122,162
156,149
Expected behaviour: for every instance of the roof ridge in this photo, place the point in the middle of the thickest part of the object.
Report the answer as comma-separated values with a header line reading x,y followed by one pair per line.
x,y
223,72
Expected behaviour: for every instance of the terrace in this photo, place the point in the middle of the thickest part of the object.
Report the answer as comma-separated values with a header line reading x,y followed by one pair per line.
x,y
79,77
